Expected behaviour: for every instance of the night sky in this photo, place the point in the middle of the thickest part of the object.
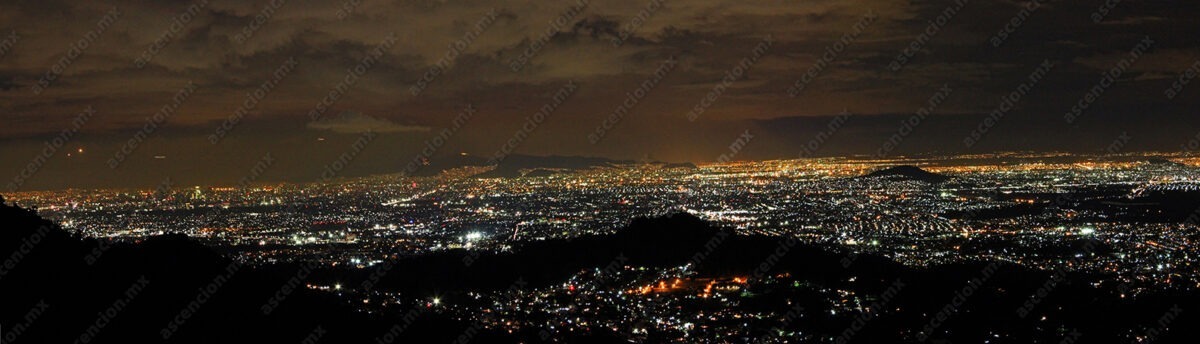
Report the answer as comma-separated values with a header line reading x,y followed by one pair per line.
x,y
252,76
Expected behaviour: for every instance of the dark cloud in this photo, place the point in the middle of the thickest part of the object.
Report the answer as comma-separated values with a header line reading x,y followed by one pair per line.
x,y
350,122
708,37
8,83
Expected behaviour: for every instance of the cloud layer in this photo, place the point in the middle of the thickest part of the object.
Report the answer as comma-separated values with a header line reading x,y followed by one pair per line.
x,y
356,123
983,49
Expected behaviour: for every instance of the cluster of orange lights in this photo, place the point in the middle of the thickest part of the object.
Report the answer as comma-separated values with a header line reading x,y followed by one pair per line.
x,y
210,230
678,284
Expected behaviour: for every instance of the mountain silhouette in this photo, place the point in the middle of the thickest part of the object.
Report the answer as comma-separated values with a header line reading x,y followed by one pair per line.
x,y
515,165
523,165
907,172
1166,162
59,288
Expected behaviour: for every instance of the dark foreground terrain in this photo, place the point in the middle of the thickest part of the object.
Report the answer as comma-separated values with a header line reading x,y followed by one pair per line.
x,y
63,289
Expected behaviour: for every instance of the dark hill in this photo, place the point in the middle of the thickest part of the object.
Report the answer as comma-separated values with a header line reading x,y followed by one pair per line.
x,y
436,165
658,242
1074,303
1165,162
145,287
52,268
686,165
908,173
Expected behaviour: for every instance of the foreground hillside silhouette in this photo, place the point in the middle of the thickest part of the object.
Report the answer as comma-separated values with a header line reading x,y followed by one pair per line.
x,y
166,274
134,292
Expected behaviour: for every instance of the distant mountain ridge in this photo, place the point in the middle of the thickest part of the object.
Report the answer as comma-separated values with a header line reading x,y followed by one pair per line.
x,y
522,165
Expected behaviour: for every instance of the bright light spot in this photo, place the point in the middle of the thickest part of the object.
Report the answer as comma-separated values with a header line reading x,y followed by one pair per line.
x,y
437,301
1087,231
474,236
